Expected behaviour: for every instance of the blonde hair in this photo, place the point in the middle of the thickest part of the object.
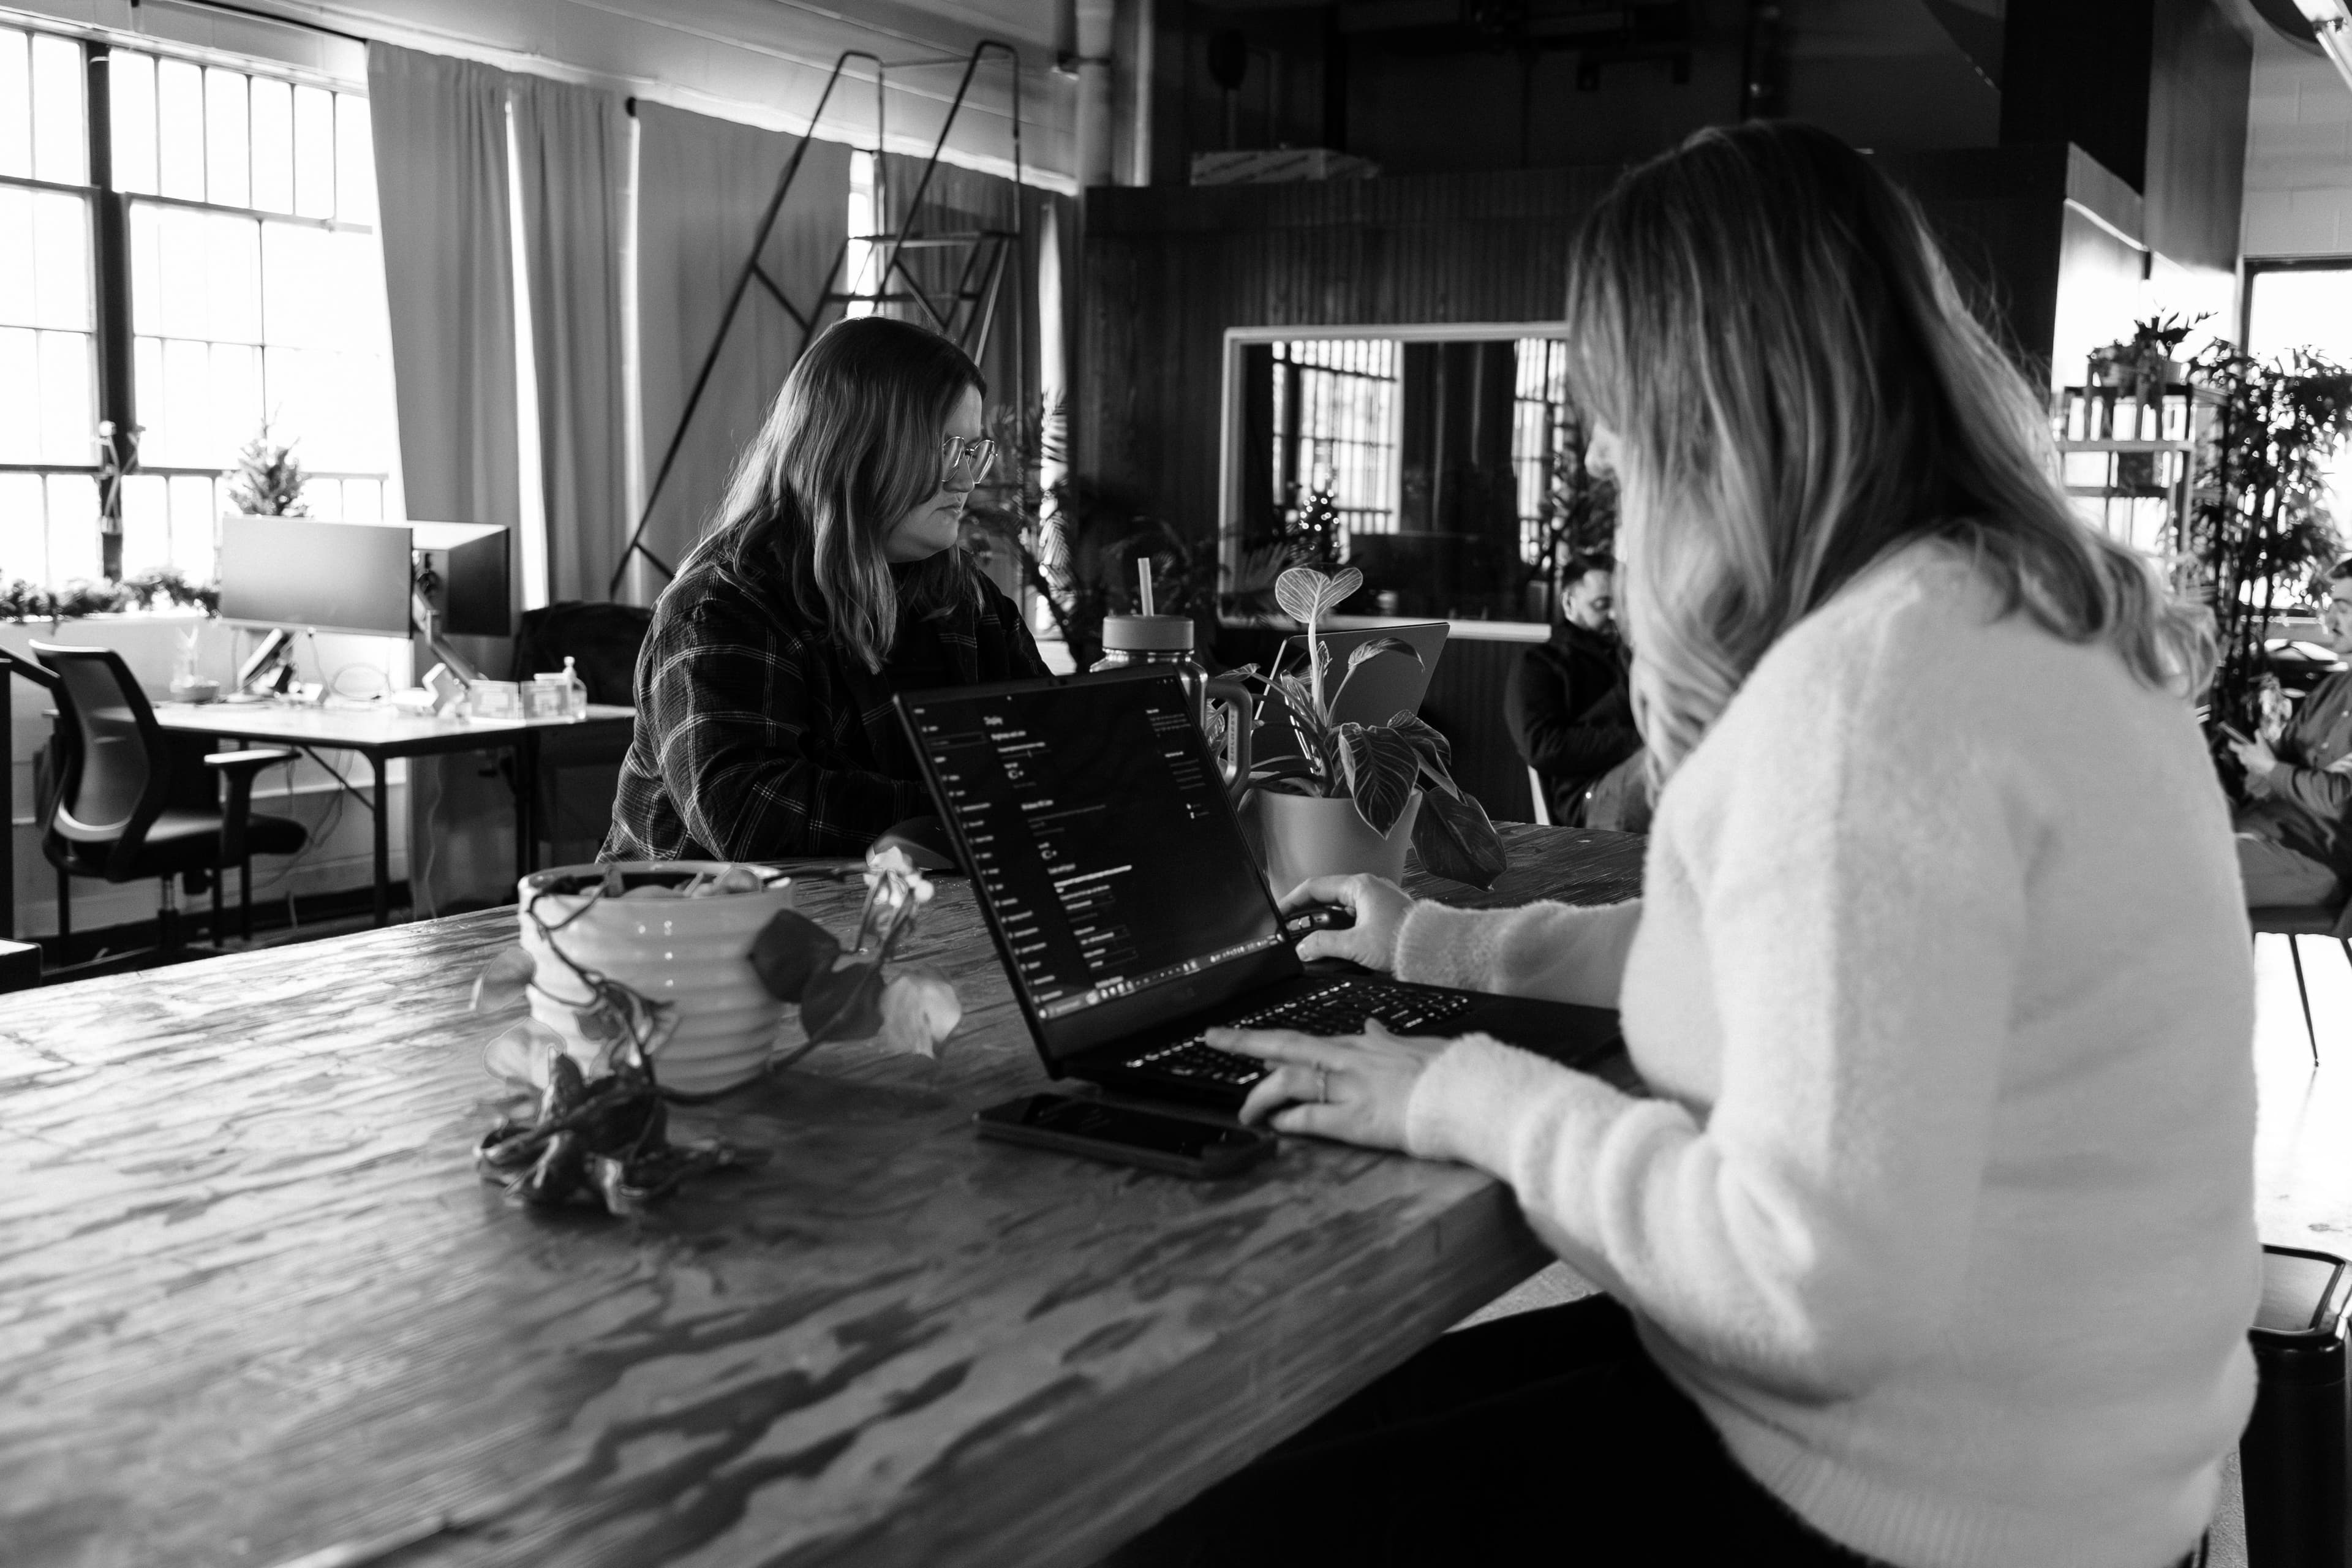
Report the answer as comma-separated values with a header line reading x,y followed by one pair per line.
x,y
850,447
1766,324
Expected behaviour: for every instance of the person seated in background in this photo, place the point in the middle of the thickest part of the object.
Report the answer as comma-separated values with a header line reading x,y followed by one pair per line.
x,y
831,579
1568,704
2295,843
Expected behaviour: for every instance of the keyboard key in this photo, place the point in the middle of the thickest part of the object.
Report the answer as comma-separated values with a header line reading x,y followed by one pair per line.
x,y
1339,1007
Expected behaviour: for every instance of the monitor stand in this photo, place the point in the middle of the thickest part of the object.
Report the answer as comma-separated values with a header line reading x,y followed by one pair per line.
x,y
269,671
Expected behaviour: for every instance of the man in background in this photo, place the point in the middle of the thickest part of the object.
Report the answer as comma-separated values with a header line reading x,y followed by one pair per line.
x,y
1572,711
2295,844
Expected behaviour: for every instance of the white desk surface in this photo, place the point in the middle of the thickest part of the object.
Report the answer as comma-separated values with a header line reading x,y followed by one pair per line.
x,y
380,725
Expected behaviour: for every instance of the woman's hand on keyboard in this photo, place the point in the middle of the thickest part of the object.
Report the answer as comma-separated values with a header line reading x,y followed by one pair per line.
x,y
1353,1088
1379,908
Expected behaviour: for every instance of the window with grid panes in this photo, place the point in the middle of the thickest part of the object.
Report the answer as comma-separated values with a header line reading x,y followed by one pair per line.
x,y
242,270
1334,413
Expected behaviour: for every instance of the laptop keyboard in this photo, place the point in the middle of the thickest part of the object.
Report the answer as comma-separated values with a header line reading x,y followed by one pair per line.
x,y
1339,1007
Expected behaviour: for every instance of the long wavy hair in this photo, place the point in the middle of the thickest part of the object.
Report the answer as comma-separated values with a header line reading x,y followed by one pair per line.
x,y
1797,387
850,447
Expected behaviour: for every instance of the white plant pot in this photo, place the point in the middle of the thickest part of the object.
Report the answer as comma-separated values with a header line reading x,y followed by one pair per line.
x,y
1305,836
692,953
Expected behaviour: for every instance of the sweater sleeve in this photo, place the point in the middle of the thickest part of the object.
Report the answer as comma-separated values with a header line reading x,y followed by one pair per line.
x,y
1561,952
1861,956
742,746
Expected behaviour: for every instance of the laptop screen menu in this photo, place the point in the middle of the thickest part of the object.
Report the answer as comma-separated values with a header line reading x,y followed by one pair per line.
x,y
1096,825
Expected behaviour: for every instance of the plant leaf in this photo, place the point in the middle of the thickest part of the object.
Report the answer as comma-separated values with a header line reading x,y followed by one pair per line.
x,y
1268,772
1338,589
503,980
1299,592
520,1054
1378,646
844,1003
790,950
920,1009
1455,840
1436,751
1381,766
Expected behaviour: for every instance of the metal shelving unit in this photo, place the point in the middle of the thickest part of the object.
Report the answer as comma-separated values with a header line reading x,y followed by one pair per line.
x,y
2135,456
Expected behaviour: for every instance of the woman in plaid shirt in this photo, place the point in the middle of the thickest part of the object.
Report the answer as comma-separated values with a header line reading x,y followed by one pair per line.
x,y
830,581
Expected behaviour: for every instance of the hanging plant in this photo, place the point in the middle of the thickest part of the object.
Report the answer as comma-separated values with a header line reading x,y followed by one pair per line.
x,y
598,1132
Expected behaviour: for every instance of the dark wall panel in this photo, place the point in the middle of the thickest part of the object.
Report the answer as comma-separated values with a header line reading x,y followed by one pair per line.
x,y
2198,89
1169,269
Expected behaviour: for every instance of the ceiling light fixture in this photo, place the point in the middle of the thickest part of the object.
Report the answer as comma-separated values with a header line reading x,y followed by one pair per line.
x,y
2332,23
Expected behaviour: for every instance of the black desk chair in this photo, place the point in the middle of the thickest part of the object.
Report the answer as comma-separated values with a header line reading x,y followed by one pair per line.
x,y
2291,921
579,771
120,806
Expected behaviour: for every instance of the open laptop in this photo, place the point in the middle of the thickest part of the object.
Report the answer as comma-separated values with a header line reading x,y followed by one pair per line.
x,y
1127,908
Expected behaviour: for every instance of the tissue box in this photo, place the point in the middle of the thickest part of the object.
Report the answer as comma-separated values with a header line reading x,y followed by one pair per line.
x,y
494,699
553,697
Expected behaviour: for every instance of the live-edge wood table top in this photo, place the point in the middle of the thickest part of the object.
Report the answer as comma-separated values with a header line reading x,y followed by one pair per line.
x,y
254,1301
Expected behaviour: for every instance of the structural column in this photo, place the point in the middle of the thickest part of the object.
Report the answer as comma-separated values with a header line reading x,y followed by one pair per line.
x,y
1097,22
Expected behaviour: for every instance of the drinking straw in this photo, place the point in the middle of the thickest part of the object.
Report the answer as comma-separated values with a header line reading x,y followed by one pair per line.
x,y
1143,582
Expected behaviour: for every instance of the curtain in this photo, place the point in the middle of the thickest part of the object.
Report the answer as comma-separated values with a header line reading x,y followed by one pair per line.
x,y
703,184
440,128
571,147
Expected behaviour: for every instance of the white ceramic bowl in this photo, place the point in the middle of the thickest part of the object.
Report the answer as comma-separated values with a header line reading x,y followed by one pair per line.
x,y
693,953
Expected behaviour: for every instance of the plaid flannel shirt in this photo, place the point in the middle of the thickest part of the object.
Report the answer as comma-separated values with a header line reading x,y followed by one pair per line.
x,y
758,737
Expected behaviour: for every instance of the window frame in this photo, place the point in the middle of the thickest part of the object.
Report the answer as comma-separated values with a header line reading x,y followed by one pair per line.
x,y
108,209
2255,266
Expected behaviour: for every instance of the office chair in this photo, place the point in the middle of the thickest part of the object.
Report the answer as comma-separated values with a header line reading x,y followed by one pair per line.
x,y
2291,921
121,807
580,770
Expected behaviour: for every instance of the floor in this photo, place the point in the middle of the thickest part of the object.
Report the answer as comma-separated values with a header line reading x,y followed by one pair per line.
x,y
2302,1147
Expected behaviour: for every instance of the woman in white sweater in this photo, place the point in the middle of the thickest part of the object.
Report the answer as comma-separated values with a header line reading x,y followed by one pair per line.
x,y
1933,1242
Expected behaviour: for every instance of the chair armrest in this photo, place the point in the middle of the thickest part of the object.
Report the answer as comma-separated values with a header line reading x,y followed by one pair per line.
x,y
248,762
46,678
239,768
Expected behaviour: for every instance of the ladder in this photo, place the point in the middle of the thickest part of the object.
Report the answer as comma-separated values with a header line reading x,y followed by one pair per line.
x,y
951,281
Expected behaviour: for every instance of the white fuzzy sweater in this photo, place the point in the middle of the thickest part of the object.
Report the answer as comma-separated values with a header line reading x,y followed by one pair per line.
x,y
1943,1211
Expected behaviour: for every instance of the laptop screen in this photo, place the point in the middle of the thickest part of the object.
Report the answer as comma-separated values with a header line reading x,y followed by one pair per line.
x,y
1103,847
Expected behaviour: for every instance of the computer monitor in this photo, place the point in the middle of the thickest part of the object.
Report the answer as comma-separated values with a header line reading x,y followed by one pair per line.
x,y
299,572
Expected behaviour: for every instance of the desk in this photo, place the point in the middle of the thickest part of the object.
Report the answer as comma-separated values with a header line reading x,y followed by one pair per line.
x,y
382,733
256,1301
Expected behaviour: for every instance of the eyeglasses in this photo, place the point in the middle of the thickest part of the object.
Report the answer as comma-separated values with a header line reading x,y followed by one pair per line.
x,y
978,449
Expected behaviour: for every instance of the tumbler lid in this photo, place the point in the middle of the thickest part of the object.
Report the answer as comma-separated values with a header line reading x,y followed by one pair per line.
x,y
1147,633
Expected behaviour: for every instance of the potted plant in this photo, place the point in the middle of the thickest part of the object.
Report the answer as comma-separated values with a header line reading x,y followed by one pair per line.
x,y
1357,794
689,964
267,479
2259,528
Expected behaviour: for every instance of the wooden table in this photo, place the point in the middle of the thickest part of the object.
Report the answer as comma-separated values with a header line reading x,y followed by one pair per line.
x,y
382,732
254,1301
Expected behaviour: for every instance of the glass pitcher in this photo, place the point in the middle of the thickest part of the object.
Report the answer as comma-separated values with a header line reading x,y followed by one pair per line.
x,y
1165,642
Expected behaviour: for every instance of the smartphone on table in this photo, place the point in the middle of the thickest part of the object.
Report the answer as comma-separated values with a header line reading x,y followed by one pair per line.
x,y
1125,1135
